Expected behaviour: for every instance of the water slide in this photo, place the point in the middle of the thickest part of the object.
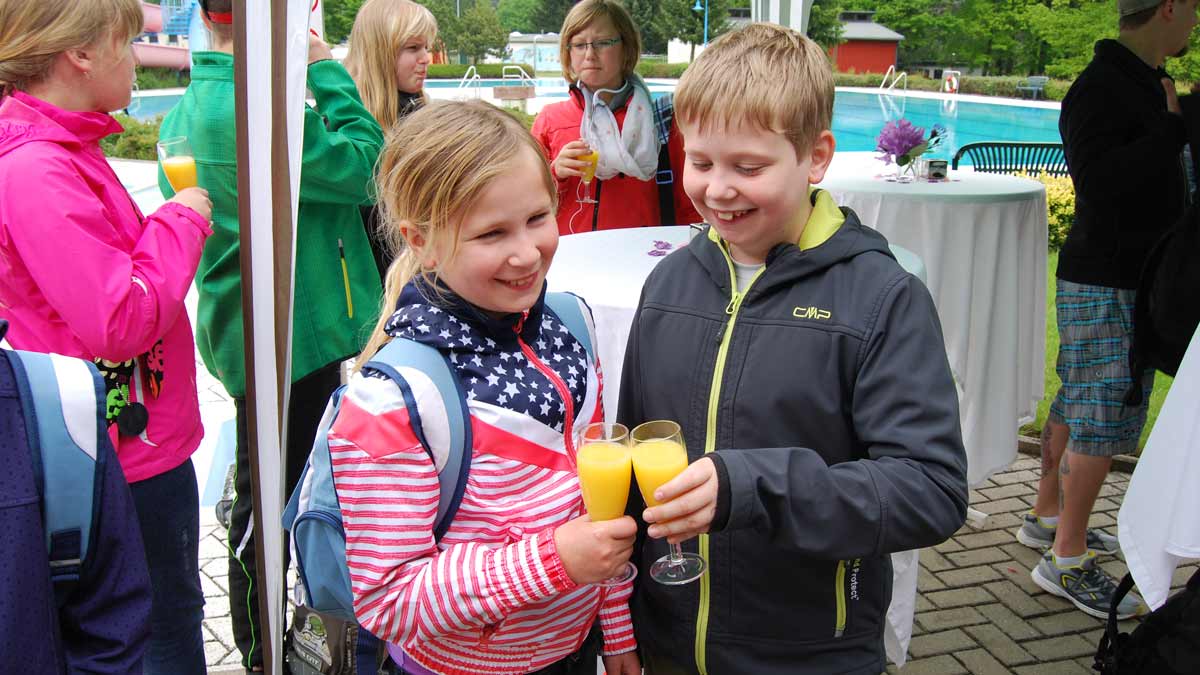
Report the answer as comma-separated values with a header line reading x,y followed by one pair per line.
x,y
168,56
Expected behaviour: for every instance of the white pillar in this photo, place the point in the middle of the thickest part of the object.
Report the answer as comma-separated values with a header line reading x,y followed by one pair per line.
x,y
790,13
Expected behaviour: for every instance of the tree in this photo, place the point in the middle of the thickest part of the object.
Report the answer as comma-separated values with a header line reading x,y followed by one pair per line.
x,y
678,21
645,17
339,19
549,16
518,15
480,33
824,27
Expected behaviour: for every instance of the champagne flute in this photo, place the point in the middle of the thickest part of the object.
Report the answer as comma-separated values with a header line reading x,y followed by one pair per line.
x,y
592,157
178,162
658,456
604,467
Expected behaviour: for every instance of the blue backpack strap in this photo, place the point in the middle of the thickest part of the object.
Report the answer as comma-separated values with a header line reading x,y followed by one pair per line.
x,y
66,457
566,307
452,477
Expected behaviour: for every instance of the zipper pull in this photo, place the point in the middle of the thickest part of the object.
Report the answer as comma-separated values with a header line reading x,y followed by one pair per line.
x,y
733,304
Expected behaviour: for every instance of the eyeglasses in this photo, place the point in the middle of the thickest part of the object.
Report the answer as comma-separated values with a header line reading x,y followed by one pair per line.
x,y
580,48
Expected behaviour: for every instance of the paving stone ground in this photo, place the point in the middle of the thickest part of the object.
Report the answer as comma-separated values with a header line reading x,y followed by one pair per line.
x,y
977,609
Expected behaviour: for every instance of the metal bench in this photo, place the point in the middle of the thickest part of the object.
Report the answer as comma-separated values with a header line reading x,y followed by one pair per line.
x,y
1013,157
1034,85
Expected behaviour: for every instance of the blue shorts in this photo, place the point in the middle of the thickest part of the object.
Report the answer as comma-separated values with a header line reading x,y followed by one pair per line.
x,y
1095,326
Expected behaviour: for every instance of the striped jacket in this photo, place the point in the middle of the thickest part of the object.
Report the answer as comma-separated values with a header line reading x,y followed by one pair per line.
x,y
492,596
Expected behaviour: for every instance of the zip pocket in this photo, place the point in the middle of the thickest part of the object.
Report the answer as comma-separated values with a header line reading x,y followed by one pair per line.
x,y
319,541
839,584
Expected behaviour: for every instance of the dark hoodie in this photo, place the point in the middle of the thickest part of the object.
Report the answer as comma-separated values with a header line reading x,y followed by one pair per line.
x,y
824,393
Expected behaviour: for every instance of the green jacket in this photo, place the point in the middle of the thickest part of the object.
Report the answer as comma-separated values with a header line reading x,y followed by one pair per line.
x,y
341,144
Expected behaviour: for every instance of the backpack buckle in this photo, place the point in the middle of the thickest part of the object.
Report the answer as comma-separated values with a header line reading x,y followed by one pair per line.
x,y
664,177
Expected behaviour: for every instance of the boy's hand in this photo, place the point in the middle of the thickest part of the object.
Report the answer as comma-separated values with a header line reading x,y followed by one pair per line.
x,y
592,552
196,199
623,664
1172,96
317,50
689,502
568,163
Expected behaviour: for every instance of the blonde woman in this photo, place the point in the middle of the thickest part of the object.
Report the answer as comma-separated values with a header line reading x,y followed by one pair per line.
x,y
510,588
610,111
391,47
85,274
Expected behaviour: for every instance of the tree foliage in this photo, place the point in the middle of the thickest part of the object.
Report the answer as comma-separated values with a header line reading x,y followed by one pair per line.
x,y
518,15
677,20
479,32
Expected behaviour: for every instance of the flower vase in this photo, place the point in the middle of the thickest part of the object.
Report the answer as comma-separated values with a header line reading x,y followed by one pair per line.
x,y
906,173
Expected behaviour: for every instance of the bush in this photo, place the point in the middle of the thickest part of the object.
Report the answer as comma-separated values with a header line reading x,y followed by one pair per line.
x,y
522,117
162,78
456,71
980,85
137,142
663,70
1060,205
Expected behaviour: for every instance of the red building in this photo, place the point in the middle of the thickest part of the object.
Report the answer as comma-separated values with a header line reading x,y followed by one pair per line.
x,y
867,47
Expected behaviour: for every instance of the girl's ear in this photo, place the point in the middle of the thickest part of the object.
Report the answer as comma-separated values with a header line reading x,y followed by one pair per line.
x,y
81,59
419,245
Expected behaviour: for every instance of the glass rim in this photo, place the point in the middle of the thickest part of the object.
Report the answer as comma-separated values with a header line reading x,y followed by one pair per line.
x,y
677,429
608,428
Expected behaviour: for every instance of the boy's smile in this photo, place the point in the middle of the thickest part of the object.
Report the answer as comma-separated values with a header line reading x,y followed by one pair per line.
x,y
749,184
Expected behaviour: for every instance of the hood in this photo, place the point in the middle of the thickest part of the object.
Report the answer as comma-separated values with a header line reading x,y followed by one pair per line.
x,y
1120,57
25,119
453,317
786,263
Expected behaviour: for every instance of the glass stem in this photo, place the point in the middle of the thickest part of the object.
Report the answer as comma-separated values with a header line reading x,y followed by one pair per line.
x,y
676,555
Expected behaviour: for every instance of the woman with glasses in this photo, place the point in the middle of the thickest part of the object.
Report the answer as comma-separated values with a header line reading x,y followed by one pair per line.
x,y
616,154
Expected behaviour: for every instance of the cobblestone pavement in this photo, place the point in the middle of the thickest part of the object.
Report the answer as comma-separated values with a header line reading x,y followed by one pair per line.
x,y
977,609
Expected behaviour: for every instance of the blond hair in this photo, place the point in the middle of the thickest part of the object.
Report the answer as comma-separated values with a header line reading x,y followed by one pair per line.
x,y
34,32
432,170
764,74
582,15
380,31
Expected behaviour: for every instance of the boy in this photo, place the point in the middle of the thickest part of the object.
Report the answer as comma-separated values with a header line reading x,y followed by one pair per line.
x,y
333,314
808,373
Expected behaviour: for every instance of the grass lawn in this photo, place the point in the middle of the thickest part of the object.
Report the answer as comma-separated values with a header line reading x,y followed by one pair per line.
x,y
1161,382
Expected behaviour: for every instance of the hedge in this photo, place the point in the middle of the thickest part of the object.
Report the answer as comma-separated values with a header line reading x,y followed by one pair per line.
x,y
137,142
162,78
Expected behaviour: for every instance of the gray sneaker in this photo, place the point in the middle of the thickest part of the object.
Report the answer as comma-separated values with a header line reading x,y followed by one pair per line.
x,y
1087,587
1035,533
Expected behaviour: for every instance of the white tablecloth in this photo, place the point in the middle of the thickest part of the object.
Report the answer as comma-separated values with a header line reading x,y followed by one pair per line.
x,y
1159,521
983,240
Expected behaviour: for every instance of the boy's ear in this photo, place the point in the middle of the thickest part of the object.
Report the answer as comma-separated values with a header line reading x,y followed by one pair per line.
x,y
821,155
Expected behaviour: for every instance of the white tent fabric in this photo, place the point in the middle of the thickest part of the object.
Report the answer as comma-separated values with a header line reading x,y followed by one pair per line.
x,y
790,13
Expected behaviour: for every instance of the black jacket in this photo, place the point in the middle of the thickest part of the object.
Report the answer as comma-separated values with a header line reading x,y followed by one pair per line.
x,y
1123,151
827,397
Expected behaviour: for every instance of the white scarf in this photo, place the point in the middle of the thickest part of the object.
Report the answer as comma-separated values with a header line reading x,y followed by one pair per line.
x,y
631,149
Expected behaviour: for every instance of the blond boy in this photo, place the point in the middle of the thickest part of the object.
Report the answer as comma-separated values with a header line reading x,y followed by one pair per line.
x,y
809,375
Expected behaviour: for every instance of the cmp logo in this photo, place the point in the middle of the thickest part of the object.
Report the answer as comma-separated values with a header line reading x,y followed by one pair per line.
x,y
811,313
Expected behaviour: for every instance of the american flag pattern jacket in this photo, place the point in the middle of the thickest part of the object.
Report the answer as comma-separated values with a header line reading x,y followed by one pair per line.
x,y
492,596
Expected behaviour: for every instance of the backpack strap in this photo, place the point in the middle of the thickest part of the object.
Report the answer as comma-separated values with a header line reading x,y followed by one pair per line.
x,y
566,307
452,475
64,418
664,114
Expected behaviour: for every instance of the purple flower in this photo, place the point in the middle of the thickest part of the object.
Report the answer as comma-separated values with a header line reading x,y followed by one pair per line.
x,y
657,253
662,245
897,139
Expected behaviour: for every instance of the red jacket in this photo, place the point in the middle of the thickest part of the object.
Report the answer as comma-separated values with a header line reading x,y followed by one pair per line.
x,y
624,201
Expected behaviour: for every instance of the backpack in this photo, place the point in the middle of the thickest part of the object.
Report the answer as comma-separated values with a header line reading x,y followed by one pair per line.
x,y
1166,313
325,635
1165,642
64,454
664,177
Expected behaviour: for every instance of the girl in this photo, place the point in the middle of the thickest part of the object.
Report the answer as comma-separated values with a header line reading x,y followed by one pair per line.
x,y
610,111
390,47
507,590
84,273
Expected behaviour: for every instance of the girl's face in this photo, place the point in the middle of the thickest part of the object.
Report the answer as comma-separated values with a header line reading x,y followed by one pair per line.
x,y
597,55
505,242
110,80
411,64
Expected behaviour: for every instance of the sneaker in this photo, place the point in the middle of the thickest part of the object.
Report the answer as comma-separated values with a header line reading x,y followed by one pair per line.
x,y
1087,587
1035,533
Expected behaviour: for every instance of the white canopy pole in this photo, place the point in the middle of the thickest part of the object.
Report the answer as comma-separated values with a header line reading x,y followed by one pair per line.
x,y
790,13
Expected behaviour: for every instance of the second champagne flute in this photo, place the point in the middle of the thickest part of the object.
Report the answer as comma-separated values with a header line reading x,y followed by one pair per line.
x,y
658,456
178,162
604,468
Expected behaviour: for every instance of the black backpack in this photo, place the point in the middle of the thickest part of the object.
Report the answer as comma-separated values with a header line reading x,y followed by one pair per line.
x,y
1167,309
1166,642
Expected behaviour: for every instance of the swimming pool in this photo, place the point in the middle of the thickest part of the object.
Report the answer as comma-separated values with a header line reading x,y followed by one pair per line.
x,y
857,115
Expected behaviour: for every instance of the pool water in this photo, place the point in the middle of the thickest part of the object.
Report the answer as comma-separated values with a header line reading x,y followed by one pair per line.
x,y
857,116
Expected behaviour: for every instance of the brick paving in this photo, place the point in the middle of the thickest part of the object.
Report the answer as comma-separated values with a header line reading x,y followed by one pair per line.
x,y
977,609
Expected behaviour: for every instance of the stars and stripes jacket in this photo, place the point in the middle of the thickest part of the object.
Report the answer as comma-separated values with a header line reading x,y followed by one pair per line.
x,y
492,596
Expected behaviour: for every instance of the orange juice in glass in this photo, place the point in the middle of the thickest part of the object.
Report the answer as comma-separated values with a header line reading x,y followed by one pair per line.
x,y
604,467
658,456
589,171
178,162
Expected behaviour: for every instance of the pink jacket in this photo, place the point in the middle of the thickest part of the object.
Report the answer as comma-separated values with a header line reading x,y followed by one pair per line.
x,y
84,273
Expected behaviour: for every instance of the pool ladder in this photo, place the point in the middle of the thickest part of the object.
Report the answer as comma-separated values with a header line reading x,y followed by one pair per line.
x,y
470,79
517,73
896,77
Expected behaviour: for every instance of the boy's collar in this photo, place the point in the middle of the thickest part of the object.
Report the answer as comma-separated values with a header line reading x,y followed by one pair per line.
x,y
825,219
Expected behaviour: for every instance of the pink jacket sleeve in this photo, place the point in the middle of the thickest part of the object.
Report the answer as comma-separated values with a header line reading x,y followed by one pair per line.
x,y
117,296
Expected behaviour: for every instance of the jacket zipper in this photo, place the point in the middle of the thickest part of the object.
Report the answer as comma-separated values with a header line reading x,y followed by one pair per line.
x,y
563,391
839,583
710,442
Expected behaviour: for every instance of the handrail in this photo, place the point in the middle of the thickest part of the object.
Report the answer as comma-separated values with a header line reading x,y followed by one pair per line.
x,y
897,76
519,74
468,77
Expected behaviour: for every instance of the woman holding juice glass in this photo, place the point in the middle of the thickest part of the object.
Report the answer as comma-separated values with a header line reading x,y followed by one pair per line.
x,y
606,141
85,274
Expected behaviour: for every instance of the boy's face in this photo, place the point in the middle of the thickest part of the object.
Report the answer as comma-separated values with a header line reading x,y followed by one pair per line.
x,y
749,184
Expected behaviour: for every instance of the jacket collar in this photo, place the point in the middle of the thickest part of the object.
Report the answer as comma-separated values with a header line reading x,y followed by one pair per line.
x,y
25,118
1120,57
619,100
503,329
212,66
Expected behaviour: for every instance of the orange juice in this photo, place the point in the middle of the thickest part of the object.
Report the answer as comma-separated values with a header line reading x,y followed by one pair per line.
x,y
604,479
589,171
655,463
181,172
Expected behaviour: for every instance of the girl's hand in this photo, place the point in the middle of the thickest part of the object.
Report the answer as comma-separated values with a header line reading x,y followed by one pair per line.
x,y
567,163
196,199
688,503
592,552
317,49
623,664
